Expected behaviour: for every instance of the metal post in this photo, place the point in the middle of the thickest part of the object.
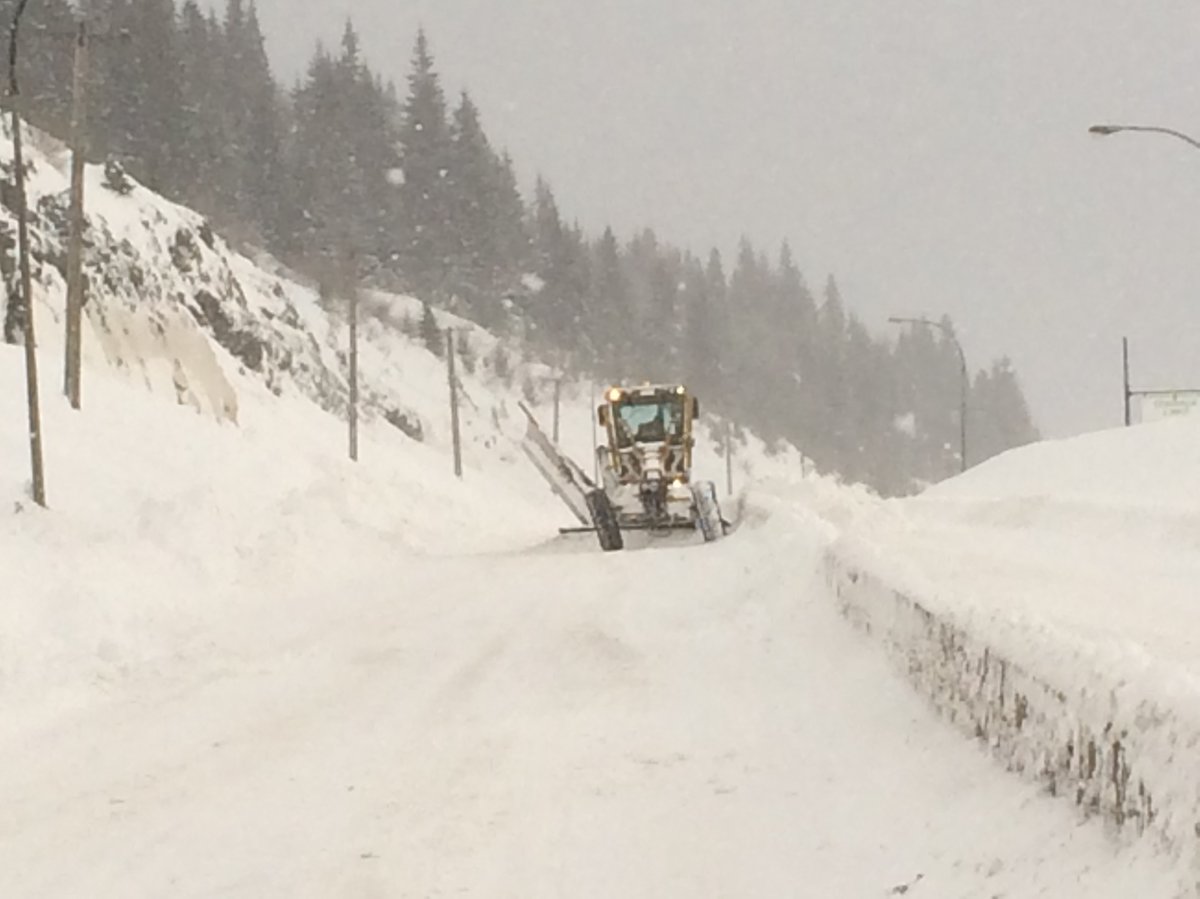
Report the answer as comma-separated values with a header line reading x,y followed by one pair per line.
x,y
72,385
454,429
728,458
592,413
965,387
1128,392
557,401
31,378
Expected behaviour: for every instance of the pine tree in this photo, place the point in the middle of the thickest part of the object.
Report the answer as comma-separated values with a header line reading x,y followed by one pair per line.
x,y
717,289
609,314
831,380
45,60
115,99
203,147
156,138
667,322
310,219
476,266
796,318
561,261
1000,418
431,332
701,352
513,243
424,196
749,284
256,127
340,162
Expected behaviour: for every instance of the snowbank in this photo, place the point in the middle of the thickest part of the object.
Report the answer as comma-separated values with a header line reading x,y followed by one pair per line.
x,y
1152,467
1045,602
163,523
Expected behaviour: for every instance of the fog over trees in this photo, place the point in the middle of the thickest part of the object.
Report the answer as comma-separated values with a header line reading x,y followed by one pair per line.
x,y
404,180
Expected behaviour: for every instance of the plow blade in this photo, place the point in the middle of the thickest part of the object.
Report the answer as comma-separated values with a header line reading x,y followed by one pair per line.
x,y
565,478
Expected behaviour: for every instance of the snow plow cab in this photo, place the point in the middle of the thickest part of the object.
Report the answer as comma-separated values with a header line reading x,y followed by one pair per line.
x,y
646,466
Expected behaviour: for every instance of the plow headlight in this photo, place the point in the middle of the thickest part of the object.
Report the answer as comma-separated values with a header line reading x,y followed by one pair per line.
x,y
615,395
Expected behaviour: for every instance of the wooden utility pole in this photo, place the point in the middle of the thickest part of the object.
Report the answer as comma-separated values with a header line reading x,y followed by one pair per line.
x,y
31,378
728,458
72,385
557,403
454,427
1128,391
352,288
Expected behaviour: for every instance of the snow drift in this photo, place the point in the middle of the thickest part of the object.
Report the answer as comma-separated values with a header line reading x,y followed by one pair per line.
x,y
1045,603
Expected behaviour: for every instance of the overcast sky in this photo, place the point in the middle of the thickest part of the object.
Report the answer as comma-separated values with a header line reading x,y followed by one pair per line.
x,y
932,154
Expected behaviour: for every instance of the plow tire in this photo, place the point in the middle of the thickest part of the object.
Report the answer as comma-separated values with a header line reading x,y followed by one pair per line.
x,y
708,511
604,517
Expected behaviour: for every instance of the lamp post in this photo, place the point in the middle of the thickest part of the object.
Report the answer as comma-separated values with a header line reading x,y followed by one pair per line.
x,y
1105,130
964,380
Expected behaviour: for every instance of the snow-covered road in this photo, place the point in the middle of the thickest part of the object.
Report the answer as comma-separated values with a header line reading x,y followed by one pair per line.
x,y
682,721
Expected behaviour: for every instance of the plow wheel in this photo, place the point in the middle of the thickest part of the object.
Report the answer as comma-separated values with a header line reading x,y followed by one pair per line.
x,y
604,517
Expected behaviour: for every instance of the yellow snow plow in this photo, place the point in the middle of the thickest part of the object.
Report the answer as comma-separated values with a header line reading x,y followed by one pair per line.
x,y
645,468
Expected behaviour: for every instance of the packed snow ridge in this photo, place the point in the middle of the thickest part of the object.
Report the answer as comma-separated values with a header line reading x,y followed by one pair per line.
x,y
1046,602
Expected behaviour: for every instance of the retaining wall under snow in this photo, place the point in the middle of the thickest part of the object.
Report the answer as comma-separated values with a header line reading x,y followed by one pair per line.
x,y
1120,743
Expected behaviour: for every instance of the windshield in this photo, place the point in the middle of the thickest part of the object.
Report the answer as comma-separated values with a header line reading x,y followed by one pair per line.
x,y
649,421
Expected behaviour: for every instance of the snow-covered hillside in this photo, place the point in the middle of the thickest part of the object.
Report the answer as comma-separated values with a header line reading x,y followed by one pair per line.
x,y
167,516
173,305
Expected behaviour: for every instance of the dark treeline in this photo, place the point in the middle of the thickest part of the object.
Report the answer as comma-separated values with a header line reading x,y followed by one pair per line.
x,y
343,165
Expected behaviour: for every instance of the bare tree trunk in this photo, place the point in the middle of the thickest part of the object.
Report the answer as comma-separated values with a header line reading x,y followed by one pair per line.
x,y
72,383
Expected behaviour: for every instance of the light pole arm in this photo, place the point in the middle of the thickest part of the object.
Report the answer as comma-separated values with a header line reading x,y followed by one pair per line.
x,y
941,326
1154,129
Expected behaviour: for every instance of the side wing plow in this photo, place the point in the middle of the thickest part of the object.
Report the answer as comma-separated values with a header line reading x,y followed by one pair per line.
x,y
565,478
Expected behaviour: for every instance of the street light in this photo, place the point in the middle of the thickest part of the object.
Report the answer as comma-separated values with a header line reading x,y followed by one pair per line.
x,y
964,383
1105,130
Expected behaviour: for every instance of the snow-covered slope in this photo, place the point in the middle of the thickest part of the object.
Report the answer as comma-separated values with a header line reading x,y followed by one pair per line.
x,y
162,518
175,307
